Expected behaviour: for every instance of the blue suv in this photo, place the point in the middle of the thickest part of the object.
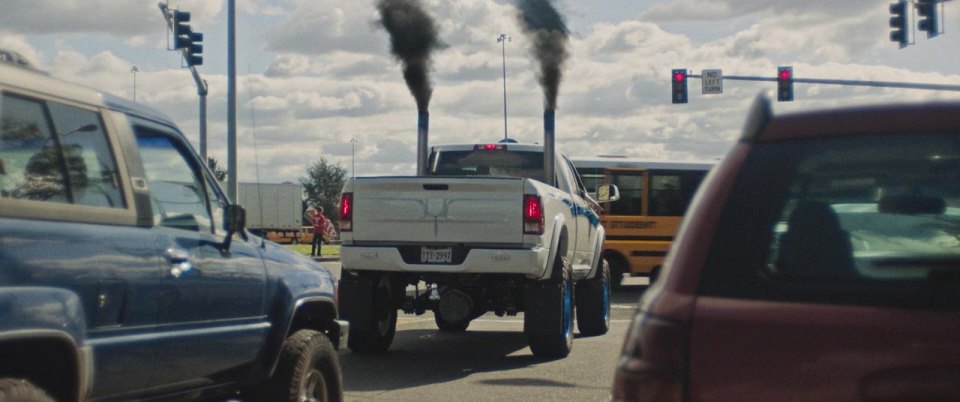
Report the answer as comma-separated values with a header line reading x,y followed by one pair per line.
x,y
125,271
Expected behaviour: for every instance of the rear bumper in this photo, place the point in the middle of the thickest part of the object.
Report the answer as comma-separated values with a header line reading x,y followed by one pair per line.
x,y
530,262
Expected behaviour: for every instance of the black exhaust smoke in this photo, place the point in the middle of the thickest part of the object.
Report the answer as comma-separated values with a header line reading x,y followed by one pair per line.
x,y
413,37
544,25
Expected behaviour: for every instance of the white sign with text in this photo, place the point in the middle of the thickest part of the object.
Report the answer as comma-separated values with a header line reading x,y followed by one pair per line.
x,y
712,81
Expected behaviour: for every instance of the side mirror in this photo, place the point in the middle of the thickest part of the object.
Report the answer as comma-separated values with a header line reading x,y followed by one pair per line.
x,y
235,218
608,193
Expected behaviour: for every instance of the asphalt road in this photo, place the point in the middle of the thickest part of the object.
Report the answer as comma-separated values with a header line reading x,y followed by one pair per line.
x,y
488,362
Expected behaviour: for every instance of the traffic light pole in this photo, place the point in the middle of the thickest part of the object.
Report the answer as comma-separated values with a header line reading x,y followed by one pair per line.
x,y
202,87
202,90
878,84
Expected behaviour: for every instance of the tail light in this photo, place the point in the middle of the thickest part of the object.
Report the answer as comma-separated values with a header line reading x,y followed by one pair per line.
x,y
346,212
489,147
532,215
652,362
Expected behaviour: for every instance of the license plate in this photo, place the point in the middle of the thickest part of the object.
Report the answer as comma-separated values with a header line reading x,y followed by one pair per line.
x,y
436,255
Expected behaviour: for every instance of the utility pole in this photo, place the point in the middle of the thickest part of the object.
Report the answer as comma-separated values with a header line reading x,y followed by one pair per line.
x,y
503,39
231,100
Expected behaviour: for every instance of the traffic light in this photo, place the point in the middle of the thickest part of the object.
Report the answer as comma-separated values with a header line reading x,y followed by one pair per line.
x,y
928,20
194,52
679,79
899,23
785,84
181,29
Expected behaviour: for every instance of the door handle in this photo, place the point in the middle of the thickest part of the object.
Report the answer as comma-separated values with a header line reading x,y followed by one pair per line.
x,y
180,262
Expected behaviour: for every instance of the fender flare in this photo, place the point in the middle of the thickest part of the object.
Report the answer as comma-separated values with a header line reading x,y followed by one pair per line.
x,y
274,346
559,224
597,251
65,324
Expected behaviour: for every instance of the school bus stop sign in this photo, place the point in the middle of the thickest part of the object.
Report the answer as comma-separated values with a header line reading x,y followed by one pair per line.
x,y
712,81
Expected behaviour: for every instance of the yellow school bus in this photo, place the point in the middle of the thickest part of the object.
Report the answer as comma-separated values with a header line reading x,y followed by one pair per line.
x,y
654,196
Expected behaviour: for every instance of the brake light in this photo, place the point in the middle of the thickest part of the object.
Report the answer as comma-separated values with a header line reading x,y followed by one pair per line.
x,y
346,212
652,362
532,215
489,147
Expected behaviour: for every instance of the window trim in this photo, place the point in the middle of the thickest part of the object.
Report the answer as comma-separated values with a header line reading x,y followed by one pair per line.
x,y
200,173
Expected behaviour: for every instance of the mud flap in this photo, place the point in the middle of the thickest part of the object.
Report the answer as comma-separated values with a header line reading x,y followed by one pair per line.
x,y
542,314
356,302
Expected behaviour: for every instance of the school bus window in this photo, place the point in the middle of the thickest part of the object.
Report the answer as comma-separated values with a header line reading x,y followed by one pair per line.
x,y
631,194
665,199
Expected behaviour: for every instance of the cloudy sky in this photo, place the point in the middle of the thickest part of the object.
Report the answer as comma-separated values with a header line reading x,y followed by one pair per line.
x,y
315,74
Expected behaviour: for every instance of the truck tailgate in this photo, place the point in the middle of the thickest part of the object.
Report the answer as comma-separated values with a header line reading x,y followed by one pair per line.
x,y
438,210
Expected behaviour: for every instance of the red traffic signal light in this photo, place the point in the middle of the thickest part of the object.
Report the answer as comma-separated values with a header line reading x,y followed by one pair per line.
x,y
784,73
679,85
785,84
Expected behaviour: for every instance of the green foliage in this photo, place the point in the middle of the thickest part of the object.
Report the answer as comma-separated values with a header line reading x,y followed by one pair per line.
x,y
219,171
322,186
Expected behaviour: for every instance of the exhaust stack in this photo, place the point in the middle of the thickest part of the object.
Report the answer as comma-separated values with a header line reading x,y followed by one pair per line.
x,y
549,146
423,130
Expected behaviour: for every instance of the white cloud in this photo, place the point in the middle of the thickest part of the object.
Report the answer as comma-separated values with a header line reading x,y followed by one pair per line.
x,y
330,76
20,45
75,16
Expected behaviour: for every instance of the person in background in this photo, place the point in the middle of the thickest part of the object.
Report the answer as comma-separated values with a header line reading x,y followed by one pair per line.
x,y
319,222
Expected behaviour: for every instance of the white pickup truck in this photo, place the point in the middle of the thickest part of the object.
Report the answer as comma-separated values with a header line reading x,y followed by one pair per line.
x,y
480,233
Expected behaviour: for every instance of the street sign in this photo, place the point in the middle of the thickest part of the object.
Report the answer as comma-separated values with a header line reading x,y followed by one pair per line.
x,y
712,81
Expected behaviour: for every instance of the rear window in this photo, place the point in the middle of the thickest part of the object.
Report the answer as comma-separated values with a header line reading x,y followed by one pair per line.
x,y
481,162
866,220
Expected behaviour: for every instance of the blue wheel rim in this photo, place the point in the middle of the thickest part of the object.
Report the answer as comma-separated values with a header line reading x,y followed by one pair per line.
x,y
606,297
567,307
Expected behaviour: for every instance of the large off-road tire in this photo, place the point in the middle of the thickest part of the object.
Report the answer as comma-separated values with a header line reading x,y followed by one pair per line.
x,y
383,316
548,319
593,302
20,390
308,370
